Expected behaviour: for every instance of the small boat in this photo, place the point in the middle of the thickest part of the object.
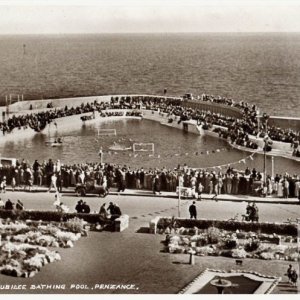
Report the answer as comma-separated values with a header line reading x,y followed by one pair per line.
x,y
56,144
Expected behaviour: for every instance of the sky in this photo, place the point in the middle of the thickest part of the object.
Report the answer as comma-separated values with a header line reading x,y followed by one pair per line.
x,y
166,16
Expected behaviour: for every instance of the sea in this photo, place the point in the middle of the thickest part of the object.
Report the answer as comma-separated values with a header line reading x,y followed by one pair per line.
x,y
262,69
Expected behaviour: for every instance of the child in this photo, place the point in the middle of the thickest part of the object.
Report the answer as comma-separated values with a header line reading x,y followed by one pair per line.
x,y
3,184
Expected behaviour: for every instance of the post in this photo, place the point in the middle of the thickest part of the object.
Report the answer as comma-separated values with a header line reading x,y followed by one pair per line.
x,y
101,155
180,183
258,121
179,191
192,257
265,158
272,160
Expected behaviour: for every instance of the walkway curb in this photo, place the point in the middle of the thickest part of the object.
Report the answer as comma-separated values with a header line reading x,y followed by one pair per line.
x,y
140,193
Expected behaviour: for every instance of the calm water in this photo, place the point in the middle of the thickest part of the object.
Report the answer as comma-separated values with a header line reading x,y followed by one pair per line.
x,y
173,147
258,68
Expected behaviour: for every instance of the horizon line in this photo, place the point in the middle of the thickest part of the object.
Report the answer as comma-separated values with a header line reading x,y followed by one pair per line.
x,y
148,32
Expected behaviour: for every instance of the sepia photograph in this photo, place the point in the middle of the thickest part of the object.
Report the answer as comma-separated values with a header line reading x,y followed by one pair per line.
x,y
149,147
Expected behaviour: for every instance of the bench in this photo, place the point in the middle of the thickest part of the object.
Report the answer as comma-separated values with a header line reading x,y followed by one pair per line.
x,y
121,223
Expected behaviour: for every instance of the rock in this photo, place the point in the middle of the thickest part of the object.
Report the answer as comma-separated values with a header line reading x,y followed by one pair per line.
x,y
175,239
238,253
69,244
31,274
185,241
54,244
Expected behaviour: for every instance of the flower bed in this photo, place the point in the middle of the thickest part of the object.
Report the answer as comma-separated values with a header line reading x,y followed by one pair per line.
x,y
268,228
219,242
23,244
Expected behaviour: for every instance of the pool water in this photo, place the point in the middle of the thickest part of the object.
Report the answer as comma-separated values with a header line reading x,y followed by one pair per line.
x,y
171,147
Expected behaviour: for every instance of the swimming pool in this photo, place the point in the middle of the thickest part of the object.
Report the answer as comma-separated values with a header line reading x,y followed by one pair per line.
x,y
172,146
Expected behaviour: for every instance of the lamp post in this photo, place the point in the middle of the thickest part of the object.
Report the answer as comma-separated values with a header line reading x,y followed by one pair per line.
x,y
265,118
180,184
100,153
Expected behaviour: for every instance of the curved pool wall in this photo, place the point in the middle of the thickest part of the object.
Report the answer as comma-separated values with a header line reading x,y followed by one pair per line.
x,y
23,106
284,149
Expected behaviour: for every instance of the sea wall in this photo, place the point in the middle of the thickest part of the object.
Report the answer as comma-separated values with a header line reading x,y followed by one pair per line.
x,y
214,108
162,118
64,124
285,122
38,105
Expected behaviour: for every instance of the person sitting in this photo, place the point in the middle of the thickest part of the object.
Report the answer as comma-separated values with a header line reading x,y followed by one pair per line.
x,y
62,208
254,213
19,205
246,217
103,212
86,208
59,140
9,205
111,208
78,206
117,212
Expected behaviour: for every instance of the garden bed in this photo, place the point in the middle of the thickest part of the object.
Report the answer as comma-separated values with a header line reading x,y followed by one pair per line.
x,y
238,244
24,246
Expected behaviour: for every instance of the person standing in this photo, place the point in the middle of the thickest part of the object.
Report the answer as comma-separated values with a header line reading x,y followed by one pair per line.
x,y
294,277
3,184
289,273
156,185
1,204
200,190
286,186
53,183
193,211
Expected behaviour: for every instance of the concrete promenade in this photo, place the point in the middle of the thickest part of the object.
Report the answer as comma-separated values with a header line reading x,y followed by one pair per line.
x,y
136,257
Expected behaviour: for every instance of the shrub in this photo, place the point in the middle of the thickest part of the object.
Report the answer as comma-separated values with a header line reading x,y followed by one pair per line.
x,y
267,255
48,216
213,235
238,253
268,228
252,245
231,244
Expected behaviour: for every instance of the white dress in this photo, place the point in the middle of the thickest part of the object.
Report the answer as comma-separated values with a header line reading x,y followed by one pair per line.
x,y
280,189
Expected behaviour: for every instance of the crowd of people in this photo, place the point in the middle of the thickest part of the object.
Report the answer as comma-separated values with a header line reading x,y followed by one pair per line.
x,y
247,124
57,176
